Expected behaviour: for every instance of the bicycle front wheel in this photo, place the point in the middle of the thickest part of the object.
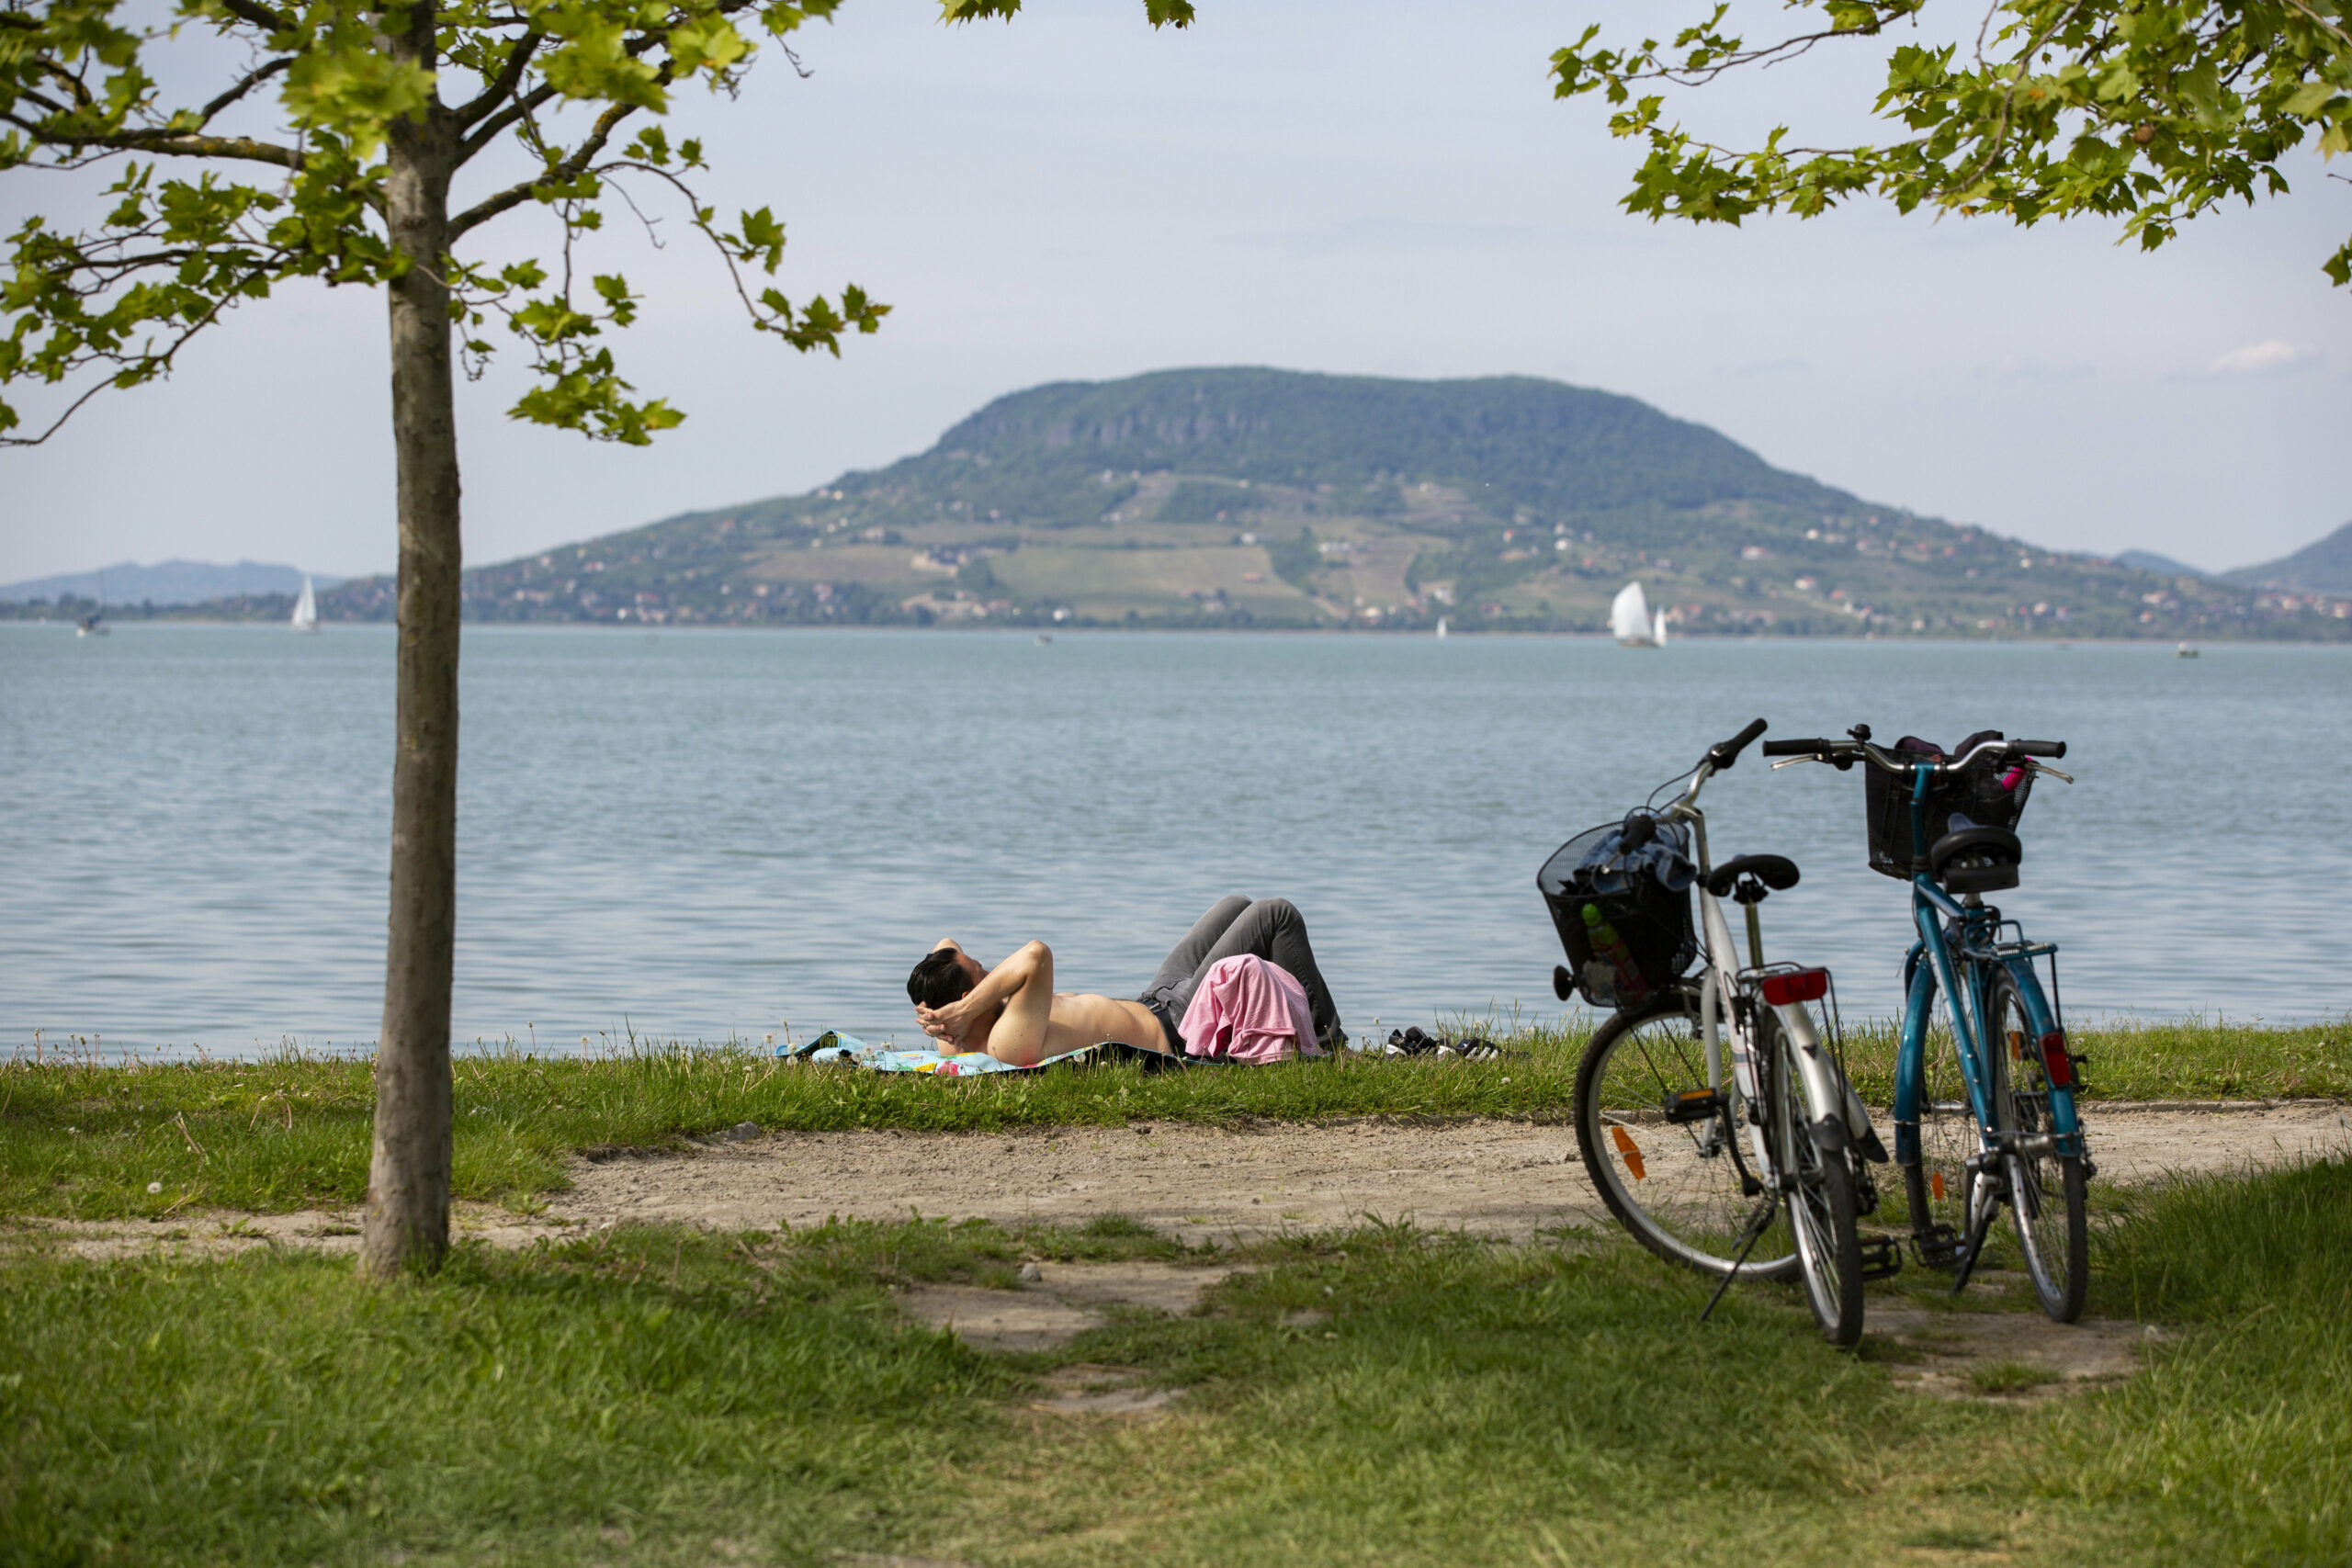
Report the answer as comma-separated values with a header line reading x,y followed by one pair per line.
x,y
1683,1188
1820,1196
1936,1188
2046,1196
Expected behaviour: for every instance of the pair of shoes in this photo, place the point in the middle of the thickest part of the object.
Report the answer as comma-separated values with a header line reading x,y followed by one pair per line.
x,y
1414,1042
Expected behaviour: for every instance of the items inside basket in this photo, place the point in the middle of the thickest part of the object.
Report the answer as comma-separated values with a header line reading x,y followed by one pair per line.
x,y
1623,915
1990,792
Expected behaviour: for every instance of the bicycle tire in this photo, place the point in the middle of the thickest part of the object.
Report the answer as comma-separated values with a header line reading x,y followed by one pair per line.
x,y
1683,1191
2046,1191
1820,1199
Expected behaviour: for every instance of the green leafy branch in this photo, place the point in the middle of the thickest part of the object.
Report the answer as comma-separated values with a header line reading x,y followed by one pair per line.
x,y
116,304
2154,113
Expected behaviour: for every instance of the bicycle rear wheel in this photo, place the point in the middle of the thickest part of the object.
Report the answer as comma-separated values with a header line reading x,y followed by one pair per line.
x,y
2046,1195
1820,1197
1684,1189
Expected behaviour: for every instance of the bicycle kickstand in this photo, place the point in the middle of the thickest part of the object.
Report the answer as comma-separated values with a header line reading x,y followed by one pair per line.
x,y
1758,1223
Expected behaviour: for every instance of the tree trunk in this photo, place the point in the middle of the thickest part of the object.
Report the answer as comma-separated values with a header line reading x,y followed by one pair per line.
x,y
407,1222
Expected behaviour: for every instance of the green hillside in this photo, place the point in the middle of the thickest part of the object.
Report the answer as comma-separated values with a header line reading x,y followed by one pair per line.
x,y
1267,498
2323,567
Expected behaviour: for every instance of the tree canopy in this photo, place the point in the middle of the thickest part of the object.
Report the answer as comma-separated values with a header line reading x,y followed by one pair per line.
x,y
2152,112
81,84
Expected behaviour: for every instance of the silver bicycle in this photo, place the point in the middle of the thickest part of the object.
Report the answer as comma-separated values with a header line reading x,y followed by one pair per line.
x,y
1712,1111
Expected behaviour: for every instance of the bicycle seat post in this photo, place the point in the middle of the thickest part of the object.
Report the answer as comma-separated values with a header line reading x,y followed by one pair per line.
x,y
1750,894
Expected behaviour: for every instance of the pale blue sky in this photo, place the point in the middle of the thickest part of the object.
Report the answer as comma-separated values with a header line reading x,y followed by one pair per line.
x,y
1381,188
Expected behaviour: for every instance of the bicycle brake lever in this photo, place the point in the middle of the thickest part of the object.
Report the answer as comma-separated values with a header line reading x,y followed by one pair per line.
x,y
2046,768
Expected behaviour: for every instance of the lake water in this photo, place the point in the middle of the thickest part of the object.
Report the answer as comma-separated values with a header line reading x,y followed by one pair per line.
x,y
702,834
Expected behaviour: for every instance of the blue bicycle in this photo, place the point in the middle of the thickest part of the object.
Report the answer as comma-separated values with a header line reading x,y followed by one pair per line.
x,y
1993,1124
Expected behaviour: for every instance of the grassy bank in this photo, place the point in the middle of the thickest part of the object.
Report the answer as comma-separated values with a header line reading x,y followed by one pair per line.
x,y
661,1397
290,1131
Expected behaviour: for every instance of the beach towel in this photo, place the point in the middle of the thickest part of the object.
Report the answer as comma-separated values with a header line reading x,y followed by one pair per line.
x,y
834,1046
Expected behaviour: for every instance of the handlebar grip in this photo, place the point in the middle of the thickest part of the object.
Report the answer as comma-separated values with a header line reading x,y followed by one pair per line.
x,y
2039,747
1724,754
1812,748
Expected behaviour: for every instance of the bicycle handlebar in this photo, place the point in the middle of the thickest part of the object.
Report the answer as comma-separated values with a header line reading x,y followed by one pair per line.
x,y
1846,752
1724,754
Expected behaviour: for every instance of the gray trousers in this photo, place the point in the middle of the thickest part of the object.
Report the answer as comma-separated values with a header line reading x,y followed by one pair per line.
x,y
1273,929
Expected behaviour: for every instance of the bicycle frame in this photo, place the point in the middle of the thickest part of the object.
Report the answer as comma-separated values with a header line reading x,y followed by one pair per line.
x,y
1725,976
1982,952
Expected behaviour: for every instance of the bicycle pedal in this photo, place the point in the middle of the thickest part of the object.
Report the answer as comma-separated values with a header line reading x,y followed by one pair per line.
x,y
1692,1105
1939,1248
1882,1258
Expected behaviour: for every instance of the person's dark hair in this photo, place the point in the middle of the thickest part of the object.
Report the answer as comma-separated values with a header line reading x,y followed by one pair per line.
x,y
939,980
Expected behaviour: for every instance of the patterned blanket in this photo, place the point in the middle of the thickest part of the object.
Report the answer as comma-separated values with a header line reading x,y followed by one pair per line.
x,y
834,1046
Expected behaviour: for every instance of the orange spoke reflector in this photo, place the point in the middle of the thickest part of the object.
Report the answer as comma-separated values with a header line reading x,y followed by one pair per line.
x,y
1936,1184
1630,1150
2016,1045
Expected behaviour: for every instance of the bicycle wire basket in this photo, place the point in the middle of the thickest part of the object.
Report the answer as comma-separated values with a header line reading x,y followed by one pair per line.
x,y
1654,922
1989,791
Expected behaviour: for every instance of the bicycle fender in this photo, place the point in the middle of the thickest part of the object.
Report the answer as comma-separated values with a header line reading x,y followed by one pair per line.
x,y
1825,1093
2063,1120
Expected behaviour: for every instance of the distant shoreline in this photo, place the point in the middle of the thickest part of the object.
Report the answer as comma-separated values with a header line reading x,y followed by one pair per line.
x,y
1031,630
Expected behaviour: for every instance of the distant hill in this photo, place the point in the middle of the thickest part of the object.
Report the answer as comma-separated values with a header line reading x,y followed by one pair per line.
x,y
1270,498
2324,567
167,583
2163,566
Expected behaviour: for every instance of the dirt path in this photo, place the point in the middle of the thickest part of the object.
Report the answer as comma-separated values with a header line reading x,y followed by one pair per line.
x,y
1505,1178
1492,1178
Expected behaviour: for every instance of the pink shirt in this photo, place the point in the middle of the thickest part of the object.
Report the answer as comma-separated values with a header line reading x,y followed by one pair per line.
x,y
1249,1009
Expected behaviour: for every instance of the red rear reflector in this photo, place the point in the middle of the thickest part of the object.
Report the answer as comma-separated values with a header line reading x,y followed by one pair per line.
x,y
1804,985
2054,1057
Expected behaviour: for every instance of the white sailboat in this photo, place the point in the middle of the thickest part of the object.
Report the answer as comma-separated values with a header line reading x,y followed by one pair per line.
x,y
1630,621
306,609
95,622
1440,625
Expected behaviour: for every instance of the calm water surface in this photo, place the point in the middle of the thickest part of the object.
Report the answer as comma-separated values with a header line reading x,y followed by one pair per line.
x,y
705,834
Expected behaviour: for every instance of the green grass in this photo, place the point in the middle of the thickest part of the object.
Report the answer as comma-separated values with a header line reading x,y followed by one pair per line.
x,y
2180,1060
2009,1377
84,1140
658,1396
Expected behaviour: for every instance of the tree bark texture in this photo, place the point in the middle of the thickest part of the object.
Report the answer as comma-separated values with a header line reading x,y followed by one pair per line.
x,y
407,1220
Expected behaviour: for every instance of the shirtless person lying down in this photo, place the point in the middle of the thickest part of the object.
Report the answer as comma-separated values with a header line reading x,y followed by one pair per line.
x,y
1013,1013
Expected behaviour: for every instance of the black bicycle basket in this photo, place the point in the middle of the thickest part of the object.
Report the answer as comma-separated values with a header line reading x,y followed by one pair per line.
x,y
1653,920
1989,791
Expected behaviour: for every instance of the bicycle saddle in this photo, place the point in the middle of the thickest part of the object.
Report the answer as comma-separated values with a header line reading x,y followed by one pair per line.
x,y
1977,860
1775,871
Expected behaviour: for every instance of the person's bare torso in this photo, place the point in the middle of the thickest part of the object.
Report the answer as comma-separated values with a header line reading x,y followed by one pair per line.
x,y
1080,1018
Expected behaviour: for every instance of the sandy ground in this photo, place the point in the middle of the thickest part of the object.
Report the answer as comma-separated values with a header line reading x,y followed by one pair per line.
x,y
1506,1178
1501,1178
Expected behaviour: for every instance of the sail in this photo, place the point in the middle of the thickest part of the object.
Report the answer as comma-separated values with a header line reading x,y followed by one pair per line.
x,y
306,608
1659,635
1629,617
